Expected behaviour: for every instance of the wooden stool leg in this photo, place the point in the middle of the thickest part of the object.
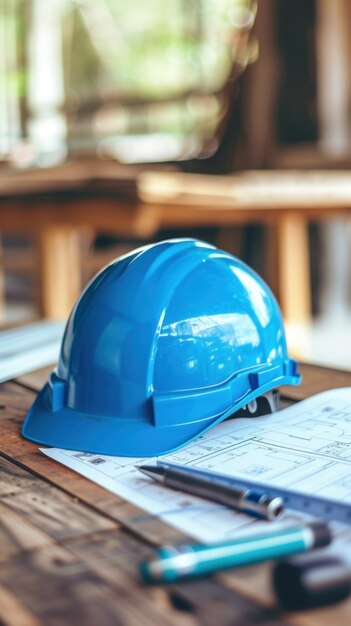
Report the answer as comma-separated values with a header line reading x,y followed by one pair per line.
x,y
59,271
294,269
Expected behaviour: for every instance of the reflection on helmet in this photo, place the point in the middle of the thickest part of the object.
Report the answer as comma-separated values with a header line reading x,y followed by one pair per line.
x,y
163,343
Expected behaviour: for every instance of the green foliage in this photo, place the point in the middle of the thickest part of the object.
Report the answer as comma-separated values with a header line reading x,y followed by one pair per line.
x,y
128,65
150,48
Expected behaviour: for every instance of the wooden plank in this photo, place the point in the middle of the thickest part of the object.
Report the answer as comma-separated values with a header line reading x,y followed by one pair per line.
x,y
57,513
12,393
57,588
96,582
336,614
316,379
14,404
18,534
70,176
102,212
13,479
13,613
51,510
260,189
35,380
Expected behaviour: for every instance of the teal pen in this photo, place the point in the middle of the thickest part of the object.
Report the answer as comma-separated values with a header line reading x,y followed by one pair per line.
x,y
174,563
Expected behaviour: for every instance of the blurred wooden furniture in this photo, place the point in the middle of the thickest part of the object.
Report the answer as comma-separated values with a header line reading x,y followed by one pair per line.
x,y
56,204
70,550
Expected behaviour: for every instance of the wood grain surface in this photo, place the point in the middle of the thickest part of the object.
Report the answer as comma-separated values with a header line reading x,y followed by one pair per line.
x,y
69,550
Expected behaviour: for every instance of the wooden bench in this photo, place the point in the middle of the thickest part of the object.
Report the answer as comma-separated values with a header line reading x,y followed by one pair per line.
x,y
57,204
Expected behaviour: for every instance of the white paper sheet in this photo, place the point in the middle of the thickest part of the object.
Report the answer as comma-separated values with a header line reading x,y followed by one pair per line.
x,y
305,447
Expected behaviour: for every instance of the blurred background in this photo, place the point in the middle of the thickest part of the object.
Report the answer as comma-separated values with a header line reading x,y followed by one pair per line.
x,y
124,122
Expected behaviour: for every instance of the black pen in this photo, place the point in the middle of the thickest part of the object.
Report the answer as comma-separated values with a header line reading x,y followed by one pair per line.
x,y
213,487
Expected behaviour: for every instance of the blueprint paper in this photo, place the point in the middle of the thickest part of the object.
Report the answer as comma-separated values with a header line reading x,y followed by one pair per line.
x,y
306,448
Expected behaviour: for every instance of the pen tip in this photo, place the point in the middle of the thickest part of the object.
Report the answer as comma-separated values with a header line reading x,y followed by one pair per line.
x,y
153,471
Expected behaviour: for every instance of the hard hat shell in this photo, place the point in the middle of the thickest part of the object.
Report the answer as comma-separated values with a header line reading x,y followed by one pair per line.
x,y
162,344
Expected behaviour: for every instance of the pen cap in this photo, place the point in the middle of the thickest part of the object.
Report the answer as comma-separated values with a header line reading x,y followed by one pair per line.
x,y
307,581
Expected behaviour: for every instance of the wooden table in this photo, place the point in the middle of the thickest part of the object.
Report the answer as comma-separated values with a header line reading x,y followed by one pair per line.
x,y
56,204
69,550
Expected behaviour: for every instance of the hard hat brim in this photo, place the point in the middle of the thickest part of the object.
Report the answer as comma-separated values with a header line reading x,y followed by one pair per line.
x,y
71,430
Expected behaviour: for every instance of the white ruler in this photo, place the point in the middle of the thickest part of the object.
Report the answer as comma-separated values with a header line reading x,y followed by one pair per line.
x,y
325,508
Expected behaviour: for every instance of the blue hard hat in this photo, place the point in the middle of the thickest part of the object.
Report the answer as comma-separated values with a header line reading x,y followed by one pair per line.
x,y
164,343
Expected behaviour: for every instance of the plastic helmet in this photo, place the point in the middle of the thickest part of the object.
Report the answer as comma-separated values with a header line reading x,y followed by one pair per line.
x,y
164,343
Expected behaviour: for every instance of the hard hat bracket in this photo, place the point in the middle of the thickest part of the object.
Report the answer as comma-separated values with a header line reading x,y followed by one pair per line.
x,y
57,391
